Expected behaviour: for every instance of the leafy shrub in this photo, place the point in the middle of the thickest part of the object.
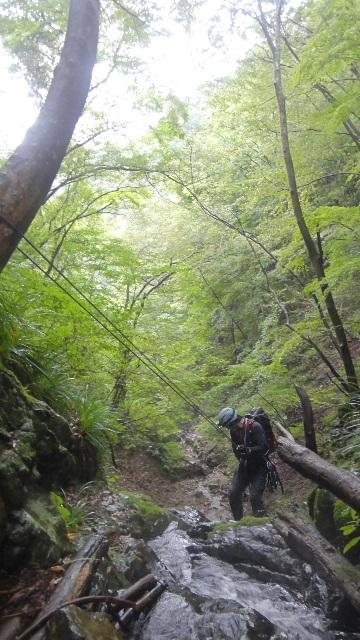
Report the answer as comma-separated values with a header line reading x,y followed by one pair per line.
x,y
77,513
71,517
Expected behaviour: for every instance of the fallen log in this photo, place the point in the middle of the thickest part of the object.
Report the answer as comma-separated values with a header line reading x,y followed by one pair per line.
x,y
343,484
146,601
138,588
284,432
77,577
330,564
119,602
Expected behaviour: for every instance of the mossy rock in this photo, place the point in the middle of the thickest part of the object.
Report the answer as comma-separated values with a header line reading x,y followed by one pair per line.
x,y
73,622
41,438
36,534
37,450
14,478
13,404
247,521
147,519
321,507
47,420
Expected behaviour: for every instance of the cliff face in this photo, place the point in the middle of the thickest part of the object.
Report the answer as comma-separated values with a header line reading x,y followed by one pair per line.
x,y
38,452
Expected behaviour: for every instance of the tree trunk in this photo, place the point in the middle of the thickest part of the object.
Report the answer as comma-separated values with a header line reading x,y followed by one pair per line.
x,y
343,484
139,588
309,430
28,174
332,566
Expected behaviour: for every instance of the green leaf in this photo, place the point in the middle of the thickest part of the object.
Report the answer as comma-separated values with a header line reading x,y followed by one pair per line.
x,y
352,543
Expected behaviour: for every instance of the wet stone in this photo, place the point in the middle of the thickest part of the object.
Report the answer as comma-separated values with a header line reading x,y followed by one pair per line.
x,y
244,583
74,623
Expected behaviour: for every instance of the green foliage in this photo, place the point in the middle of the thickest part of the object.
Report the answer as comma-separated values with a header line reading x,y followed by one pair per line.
x,y
349,438
9,324
33,32
352,526
95,419
201,201
247,521
72,517
144,505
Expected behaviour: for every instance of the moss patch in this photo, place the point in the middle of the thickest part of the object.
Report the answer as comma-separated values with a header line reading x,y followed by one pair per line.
x,y
247,521
148,518
144,505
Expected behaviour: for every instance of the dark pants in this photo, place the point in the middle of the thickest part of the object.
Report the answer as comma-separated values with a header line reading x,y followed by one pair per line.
x,y
255,478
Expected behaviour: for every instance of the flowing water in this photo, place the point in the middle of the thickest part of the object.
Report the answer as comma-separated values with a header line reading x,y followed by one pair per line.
x,y
240,584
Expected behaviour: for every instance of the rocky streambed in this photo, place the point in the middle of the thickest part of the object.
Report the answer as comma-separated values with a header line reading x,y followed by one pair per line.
x,y
224,581
238,582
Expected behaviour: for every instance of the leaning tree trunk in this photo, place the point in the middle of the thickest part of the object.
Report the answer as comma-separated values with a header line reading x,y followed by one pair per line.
x,y
308,415
343,484
28,174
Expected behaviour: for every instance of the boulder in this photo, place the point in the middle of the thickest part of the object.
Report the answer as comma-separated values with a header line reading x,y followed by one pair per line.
x,y
321,508
35,535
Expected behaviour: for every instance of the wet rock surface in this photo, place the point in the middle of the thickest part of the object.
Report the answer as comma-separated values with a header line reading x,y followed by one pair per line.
x,y
241,583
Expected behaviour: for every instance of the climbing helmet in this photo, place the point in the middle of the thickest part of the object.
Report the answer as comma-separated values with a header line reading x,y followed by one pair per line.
x,y
227,416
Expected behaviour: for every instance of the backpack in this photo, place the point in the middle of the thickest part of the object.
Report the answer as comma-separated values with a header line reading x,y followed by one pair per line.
x,y
262,418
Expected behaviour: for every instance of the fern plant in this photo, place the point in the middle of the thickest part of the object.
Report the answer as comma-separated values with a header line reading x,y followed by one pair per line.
x,y
349,438
94,420
353,526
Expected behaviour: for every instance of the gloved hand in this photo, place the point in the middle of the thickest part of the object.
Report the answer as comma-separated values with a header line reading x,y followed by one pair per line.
x,y
242,450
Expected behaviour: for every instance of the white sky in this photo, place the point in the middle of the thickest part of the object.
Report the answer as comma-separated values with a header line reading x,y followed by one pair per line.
x,y
179,64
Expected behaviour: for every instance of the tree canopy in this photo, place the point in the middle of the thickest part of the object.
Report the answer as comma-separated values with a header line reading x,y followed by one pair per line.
x,y
196,288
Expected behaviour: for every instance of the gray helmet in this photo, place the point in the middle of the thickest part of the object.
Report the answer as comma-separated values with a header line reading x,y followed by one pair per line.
x,y
227,416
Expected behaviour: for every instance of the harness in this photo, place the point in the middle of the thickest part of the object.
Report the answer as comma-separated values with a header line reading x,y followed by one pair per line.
x,y
248,426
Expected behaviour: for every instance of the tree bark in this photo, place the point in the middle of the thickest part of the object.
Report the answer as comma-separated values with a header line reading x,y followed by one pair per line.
x,y
146,601
137,589
309,430
343,484
333,567
28,174
77,578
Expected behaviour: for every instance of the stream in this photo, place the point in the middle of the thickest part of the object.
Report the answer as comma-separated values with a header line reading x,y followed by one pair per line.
x,y
241,582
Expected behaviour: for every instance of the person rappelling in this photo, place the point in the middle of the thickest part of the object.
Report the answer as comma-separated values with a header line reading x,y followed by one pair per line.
x,y
252,440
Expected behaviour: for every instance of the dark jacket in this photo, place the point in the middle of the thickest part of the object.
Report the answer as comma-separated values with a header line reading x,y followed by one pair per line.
x,y
252,437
